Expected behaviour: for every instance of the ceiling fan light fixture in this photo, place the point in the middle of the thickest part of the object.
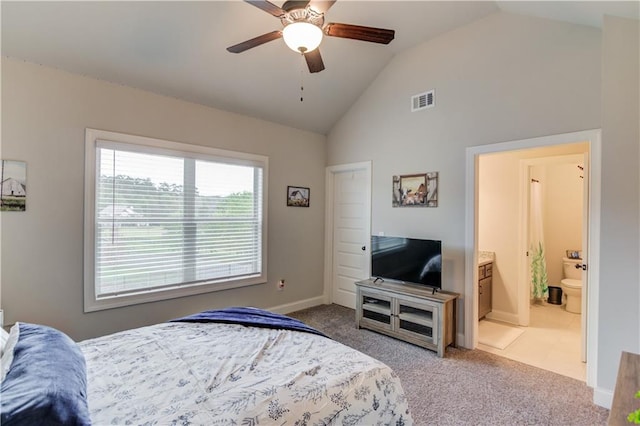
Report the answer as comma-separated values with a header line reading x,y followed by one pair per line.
x,y
302,37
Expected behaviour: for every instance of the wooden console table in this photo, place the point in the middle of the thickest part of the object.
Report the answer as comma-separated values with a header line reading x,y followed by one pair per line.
x,y
408,312
627,384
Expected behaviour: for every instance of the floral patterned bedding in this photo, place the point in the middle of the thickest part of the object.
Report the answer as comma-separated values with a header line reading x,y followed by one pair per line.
x,y
228,374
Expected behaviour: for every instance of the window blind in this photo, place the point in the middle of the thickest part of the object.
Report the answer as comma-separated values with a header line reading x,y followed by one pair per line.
x,y
165,220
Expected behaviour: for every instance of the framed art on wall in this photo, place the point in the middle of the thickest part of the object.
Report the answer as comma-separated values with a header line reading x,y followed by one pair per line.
x,y
298,196
13,191
417,190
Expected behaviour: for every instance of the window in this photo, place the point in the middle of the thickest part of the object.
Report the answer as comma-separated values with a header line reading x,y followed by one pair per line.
x,y
165,220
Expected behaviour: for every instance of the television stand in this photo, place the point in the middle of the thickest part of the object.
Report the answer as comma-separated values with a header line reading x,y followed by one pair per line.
x,y
409,312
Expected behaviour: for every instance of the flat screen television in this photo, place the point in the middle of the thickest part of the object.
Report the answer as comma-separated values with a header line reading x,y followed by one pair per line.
x,y
407,260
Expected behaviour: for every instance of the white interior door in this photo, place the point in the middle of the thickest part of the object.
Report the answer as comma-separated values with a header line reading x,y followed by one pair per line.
x,y
524,283
351,232
585,258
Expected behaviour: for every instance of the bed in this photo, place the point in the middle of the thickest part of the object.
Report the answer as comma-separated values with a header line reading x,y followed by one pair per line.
x,y
239,366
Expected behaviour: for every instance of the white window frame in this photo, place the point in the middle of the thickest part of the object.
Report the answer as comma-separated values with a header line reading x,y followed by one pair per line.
x,y
93,303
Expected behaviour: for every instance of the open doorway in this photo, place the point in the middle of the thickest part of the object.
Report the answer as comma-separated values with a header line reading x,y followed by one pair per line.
x,y
592,140
540,193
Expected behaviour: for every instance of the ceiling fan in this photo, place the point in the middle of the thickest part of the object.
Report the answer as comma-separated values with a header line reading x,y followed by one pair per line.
x,y
304,28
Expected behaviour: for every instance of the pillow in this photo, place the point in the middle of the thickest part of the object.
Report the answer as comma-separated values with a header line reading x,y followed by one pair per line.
x,y
4,336
7,351
47,381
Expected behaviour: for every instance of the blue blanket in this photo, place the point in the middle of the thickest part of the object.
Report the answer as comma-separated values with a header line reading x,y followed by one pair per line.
x,y
252,317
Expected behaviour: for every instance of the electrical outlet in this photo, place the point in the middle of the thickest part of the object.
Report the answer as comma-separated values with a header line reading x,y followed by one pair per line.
x,y
281,285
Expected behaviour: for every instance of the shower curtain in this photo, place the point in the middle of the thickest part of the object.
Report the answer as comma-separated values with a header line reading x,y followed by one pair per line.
x,y
539,284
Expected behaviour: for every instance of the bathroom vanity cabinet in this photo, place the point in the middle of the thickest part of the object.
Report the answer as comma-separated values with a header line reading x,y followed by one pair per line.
x,y
485,275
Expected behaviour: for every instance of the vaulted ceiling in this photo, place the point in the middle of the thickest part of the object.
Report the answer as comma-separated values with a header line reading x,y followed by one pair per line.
x,y
178,49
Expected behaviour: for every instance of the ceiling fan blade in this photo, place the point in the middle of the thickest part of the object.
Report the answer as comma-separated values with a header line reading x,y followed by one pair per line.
x,y
357,32
314,61
321,6
257,41
267,7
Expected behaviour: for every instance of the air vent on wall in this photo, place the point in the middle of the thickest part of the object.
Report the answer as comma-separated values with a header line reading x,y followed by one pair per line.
x,y
423,100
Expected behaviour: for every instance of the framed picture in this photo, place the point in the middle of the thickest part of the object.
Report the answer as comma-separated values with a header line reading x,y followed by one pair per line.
x,y
13,191
298,196
419,190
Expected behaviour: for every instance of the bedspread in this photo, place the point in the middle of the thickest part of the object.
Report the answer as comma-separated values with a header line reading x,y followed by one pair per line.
x,y
228,374
253,317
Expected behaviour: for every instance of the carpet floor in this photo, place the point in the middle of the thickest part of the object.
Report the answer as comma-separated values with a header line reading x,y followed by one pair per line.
x,y
467,387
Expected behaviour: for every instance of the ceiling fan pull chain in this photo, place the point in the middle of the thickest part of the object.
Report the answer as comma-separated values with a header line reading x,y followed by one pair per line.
x,y
302,78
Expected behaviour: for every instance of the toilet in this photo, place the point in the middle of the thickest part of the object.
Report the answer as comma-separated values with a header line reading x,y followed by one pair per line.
x,y
572,284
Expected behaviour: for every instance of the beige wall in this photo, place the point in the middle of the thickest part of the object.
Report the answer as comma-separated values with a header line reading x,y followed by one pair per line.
x,y
499,227
44,114
563,202
499,215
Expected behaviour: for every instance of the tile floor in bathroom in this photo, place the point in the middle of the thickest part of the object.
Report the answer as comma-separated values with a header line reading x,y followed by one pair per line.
x,y
552,342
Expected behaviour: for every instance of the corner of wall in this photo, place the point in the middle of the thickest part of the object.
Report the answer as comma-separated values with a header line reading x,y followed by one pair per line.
x,y
602,397
298,305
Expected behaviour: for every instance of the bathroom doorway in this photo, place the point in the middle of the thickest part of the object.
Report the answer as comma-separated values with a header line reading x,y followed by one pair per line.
x,y
546,207
505,229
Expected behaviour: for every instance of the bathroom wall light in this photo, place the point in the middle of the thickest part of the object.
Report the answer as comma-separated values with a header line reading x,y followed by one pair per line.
x,y
302,37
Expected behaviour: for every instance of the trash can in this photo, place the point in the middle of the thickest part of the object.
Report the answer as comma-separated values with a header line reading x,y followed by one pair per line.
x,y
555,296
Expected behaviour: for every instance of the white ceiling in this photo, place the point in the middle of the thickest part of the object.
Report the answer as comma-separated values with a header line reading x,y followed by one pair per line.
x,y
178,49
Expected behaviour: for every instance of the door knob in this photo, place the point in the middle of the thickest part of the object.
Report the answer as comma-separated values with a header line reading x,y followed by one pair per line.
x,y
364,248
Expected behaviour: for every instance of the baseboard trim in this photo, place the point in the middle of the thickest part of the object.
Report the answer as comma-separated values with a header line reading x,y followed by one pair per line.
x,y
299,305
603,397
503,316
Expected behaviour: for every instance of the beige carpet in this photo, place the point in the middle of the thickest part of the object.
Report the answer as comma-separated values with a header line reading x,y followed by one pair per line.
x,y
497,335
466,387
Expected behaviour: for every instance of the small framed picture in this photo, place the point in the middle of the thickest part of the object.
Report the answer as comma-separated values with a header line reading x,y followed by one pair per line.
x,y
574,254
298,196
13,191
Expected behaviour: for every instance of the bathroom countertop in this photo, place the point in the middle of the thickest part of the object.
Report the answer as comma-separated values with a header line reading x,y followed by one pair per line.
x,y
485,257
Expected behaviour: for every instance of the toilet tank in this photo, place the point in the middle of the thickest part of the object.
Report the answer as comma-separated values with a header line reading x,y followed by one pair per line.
x,y
569,269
